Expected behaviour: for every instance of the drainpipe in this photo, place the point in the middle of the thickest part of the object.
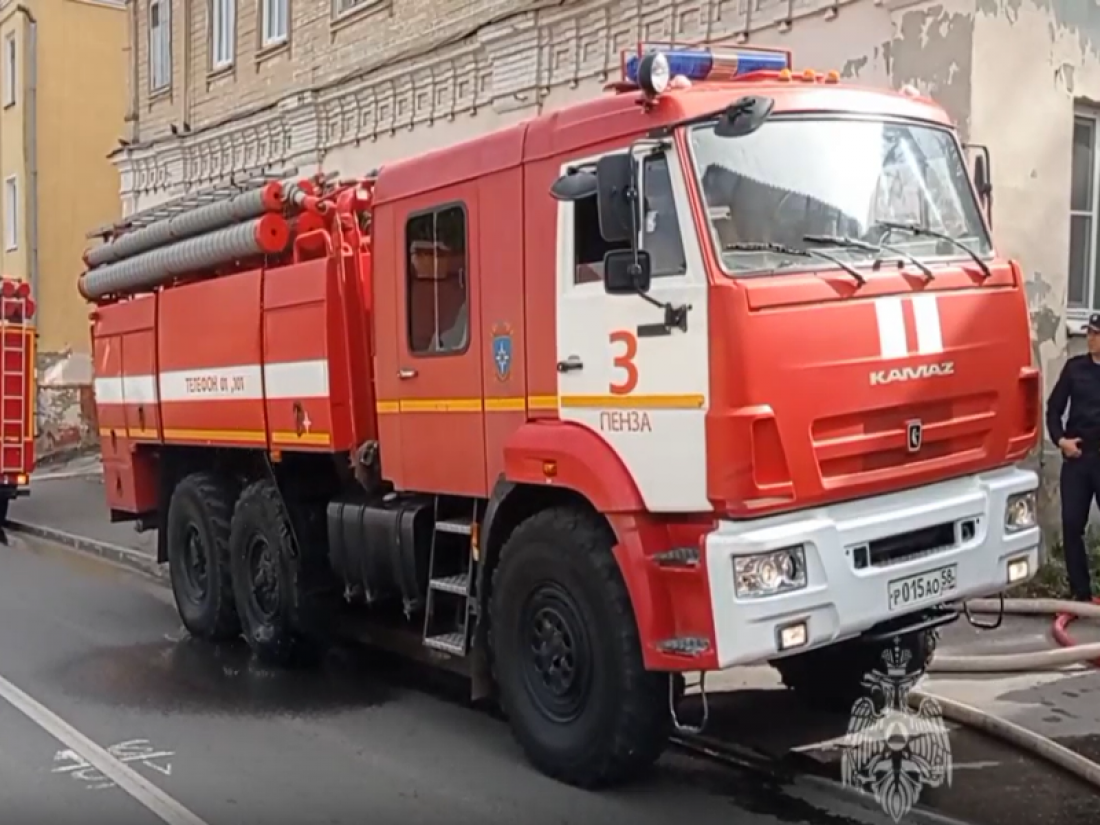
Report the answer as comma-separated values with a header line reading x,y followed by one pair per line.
x,y
132,115
30,146
187,15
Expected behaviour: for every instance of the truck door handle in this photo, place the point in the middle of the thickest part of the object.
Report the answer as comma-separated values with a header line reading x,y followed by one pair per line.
x,y
405,375
570,364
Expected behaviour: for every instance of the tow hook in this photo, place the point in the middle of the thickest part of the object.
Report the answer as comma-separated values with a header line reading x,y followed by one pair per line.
x,y
681,727
980,625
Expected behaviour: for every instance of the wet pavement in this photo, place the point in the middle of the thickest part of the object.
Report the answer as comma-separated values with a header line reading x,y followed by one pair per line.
x,y
991,783
364,714
232,742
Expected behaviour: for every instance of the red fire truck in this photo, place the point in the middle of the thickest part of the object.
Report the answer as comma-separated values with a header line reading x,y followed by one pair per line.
x,y
17,339
720,368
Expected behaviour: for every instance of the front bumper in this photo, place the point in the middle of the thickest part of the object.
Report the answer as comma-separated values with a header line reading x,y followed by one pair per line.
x,y
842,600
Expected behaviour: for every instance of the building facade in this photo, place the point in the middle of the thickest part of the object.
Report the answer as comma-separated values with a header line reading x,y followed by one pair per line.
x,y
221,87
62,111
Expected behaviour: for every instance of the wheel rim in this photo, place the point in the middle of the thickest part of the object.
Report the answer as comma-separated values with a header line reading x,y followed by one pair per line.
x,y
263,569
196,565
555,652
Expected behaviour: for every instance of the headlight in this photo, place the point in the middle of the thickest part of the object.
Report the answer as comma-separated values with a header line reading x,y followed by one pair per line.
x,y
768,574
1020,512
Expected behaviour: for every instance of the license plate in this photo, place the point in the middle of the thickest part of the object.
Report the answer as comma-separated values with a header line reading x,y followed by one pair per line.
x,y
923,587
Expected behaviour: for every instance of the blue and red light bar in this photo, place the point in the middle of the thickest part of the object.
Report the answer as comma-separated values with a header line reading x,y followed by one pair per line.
x,y
702,63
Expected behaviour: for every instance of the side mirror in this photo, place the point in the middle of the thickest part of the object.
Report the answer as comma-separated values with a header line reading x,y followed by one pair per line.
x,y
744,116
983,179
623,274
615,182
574,185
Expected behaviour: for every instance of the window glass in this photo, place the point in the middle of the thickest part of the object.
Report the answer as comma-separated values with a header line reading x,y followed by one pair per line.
x,y
660,231
438,283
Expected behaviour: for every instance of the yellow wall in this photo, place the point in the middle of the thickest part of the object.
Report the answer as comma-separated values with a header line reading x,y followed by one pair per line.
x,y
13,263
81,106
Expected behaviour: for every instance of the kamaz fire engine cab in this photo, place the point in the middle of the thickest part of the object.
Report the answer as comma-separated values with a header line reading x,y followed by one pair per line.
x,y
720,368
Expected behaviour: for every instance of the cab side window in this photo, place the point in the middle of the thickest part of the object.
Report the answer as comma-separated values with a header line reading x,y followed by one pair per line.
x,y
437,281
589,245
661,236
660,230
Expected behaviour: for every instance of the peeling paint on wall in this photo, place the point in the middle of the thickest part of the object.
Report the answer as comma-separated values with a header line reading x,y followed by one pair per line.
x,y
853,67
1081,17
933,49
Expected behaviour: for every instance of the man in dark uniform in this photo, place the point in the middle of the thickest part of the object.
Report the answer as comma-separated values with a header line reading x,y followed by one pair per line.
x,y
1079,440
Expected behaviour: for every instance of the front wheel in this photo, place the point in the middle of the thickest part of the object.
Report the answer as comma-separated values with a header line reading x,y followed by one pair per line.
x,y
567,656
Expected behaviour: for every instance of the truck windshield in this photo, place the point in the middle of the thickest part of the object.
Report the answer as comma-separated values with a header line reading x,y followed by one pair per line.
x,y
842,178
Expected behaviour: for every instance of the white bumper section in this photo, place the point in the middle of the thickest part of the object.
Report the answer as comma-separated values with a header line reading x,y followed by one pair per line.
x,y
841,599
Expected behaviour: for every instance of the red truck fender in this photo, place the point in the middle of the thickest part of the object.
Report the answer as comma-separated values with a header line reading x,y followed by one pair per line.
x,y
587,467
564,454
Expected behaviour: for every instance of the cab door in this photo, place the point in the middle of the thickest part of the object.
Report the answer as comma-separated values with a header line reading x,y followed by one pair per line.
x,y
439,347
642,387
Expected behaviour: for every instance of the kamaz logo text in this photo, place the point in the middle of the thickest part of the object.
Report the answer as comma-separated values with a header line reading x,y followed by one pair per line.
x,y
912,373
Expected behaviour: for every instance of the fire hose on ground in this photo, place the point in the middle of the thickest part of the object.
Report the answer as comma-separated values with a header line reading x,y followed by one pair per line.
x,y
1069,653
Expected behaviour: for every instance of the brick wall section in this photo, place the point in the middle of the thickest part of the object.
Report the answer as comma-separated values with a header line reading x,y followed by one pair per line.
x,y
348,95
320,50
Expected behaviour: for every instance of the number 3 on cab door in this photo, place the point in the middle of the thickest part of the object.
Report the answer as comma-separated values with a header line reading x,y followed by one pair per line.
x,y
626,344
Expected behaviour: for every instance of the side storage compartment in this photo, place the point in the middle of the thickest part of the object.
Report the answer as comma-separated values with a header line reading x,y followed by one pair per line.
x,y
309,405
208,351
127,404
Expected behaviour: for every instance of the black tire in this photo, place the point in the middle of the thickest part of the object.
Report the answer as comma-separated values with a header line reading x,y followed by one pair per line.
x,y
831,678
5,503
278,601
198,556
557,570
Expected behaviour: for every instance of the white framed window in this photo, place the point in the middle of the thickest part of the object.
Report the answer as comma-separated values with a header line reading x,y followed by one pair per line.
x,y
160,44
342,7
274,22
223,33
11,213
10,69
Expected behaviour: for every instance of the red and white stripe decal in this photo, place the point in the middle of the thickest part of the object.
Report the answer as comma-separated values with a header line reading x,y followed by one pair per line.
x,y
245,382
903,319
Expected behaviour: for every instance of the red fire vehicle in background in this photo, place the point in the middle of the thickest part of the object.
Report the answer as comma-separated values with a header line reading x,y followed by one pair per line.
x,y
720,368
17,340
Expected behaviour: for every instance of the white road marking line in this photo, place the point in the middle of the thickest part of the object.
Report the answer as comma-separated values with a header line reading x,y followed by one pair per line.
x,y
141,789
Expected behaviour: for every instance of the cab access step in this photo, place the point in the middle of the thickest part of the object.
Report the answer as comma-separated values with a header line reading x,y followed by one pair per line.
x,y
451,600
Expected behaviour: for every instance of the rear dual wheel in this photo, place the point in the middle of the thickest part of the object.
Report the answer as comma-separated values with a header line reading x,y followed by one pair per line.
x,y
235,567
280,587
198,556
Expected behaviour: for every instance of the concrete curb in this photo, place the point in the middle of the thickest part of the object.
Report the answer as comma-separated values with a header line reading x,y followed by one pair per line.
x,y
133,559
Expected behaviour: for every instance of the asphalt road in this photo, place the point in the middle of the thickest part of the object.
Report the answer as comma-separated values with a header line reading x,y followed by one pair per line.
x,y
108,714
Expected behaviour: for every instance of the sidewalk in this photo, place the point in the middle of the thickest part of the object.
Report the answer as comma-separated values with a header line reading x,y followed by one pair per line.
x,y
70,498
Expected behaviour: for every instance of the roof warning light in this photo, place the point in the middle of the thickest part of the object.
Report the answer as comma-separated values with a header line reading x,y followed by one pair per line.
x,y
653,66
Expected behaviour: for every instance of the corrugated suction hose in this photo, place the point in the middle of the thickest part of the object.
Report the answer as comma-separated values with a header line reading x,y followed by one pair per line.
x,y
1069,653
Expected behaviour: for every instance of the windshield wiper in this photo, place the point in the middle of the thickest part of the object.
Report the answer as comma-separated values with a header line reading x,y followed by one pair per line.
x,y
855,243
747,246
918,230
